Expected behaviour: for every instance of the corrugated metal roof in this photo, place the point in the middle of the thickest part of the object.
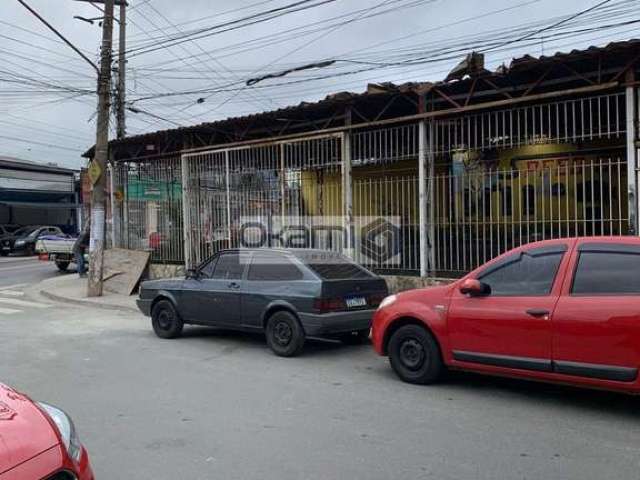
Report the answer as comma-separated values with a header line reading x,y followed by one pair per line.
x,y
33,166
527,60
517,65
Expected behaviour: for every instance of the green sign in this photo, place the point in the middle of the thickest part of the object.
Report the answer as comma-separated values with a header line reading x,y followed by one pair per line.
x,y
150,190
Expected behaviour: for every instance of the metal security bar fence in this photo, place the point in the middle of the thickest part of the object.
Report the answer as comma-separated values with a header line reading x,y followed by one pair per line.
x,y
387,208
576,120
147,198
278,184
384,145
488,181
323,152
480,214
205,205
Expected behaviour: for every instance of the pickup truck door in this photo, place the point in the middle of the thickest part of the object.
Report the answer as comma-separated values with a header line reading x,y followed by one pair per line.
x,y
510,327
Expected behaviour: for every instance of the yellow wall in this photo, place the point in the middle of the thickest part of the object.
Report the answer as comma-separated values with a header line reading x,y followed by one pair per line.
x,y
392,193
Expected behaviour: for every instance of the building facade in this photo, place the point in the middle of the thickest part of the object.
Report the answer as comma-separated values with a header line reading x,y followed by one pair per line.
x,y
38,194
424,179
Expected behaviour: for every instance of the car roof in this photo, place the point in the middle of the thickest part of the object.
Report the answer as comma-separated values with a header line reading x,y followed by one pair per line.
x,y
628,239
291,251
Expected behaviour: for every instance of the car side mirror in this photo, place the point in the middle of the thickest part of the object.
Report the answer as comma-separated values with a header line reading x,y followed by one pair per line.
x,y
475,288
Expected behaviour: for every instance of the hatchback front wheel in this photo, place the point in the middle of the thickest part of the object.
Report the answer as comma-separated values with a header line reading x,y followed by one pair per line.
x,y
165,320
414,355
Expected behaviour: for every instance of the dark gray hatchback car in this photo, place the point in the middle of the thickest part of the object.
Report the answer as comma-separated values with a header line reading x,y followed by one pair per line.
x,y
289,294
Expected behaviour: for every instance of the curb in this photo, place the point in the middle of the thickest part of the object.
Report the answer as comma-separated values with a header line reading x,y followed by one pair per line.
x,y
88,303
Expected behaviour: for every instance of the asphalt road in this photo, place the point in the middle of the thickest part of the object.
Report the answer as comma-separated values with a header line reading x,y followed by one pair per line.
x,y
220,405
24,271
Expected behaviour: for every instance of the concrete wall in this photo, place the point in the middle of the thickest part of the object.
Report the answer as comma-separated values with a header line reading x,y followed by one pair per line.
x,y
165,271
399,283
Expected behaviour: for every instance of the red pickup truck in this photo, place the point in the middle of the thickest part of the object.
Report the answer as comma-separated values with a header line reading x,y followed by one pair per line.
x,y
563,311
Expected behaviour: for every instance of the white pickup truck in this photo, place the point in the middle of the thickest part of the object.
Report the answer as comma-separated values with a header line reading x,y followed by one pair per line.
x,y
57,249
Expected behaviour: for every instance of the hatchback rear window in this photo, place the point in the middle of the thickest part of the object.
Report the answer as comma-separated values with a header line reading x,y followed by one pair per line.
x,y
341,271
331,265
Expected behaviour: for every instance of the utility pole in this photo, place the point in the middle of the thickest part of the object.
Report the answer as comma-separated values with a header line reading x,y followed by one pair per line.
x,y
122,66
98,168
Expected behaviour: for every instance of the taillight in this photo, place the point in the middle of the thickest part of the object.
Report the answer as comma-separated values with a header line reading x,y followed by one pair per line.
x,y
324,305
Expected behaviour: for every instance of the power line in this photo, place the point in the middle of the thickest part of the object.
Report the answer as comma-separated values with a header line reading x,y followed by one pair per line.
x,y
306,44
219,29
436,56
59,35
555,25
43,144
295,33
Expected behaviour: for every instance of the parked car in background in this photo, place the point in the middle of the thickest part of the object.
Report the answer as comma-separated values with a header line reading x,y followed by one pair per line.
x,y
38,441
289,294
24,239
560,310
57,249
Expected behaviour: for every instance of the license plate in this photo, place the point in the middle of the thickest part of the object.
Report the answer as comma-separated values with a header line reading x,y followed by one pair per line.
x,y
355,302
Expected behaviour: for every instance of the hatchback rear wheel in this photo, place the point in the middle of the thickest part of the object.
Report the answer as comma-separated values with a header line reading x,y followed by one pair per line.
x,y
165,320
285,335
414,355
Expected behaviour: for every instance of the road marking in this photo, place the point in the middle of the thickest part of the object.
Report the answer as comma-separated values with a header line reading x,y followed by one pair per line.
x,y
11,293
17,259
9,311
22,303
30,267
11,287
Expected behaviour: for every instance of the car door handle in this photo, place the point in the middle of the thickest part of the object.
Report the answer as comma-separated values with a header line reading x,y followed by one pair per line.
x,y
537,312
235,285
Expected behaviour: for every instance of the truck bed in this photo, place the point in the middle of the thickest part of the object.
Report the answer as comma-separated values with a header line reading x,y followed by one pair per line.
x,y
55,245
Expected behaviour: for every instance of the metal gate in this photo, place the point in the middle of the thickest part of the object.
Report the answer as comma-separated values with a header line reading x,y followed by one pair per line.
x,y
254,195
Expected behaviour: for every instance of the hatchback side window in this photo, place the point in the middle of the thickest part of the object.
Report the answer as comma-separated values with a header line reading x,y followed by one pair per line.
x,y
529,273
602,273
229,267
273,268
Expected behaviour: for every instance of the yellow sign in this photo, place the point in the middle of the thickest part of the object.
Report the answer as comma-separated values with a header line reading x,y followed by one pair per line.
x,y
94,172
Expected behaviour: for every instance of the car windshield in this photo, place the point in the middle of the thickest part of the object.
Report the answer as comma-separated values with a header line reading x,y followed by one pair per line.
x,y
24,231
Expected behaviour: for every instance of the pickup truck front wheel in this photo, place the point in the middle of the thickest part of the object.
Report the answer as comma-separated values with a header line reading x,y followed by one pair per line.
x,y
62,266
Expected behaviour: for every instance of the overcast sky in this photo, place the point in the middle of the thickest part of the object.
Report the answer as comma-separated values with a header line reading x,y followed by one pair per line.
x,y
39,124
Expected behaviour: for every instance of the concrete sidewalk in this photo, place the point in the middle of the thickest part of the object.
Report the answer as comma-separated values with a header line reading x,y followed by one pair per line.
x,y
72,289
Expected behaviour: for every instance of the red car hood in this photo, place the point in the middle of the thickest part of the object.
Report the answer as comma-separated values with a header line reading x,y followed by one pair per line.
x,y
24,430
433,294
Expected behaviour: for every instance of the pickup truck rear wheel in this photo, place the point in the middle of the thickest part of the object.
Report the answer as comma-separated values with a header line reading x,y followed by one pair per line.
x,y
165,320
414,355
62,266
285,335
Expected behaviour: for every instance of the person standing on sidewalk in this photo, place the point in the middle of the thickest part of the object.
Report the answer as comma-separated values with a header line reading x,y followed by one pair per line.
x,y
80,247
